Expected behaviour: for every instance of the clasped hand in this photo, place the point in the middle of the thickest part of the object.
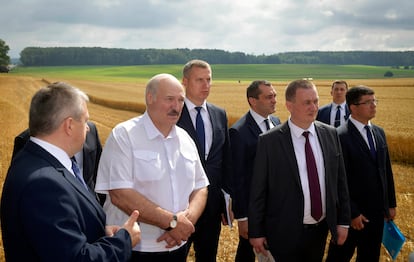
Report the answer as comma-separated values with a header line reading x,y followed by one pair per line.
x,y
180,233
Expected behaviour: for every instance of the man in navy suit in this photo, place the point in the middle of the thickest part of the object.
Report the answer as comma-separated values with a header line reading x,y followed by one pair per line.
x,y
283,217
370,179
244,134
214,153
87,158
329,114
47,212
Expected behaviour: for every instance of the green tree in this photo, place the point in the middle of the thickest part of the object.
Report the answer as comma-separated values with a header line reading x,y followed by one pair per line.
x,y
4,49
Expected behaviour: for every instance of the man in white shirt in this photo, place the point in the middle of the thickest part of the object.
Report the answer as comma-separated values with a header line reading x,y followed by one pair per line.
x,y
337,112
150,164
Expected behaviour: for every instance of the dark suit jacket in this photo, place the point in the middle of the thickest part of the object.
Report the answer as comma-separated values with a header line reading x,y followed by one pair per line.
x,y
92,150
324,113
276,197
243,139
217,165
370,182
46,214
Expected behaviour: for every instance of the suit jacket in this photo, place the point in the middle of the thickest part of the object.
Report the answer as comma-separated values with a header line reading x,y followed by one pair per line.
x,y
276,198
217,165
370,181
324,113
92,150
243,139
47,215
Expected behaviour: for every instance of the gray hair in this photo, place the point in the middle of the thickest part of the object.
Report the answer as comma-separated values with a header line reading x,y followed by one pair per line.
x,y
52,104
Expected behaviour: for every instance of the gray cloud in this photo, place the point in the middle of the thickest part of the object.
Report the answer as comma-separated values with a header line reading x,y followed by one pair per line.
x,y
253,27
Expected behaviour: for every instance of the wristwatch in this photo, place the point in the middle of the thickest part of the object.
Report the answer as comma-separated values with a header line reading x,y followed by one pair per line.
x,y
173,223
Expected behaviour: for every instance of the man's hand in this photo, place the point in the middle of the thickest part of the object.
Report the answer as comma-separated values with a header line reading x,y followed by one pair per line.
x,y
259,245
243,228
132,227
342,234
180,233
358,222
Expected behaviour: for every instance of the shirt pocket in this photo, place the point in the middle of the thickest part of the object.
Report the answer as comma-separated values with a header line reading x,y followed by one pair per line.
x,y
147,165
188,166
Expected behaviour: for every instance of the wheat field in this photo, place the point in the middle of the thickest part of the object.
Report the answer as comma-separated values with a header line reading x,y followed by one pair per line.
x,y
396,97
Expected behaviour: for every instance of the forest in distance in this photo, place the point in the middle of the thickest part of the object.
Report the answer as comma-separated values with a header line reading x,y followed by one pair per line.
x,y
66,56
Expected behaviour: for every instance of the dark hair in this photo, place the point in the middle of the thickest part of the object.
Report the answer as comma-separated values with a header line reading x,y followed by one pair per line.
x,y
194,63
253,89
354,94
290,93
339,82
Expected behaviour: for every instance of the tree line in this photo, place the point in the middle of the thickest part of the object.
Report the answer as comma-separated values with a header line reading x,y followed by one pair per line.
x,y
74,56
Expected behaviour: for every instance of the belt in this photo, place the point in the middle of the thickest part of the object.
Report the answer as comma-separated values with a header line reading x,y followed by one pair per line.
x,y
310,226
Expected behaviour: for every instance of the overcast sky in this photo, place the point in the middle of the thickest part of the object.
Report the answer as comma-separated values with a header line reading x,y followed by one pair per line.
x,y
249,26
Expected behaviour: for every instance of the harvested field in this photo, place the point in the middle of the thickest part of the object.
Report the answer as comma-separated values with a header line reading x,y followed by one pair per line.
x,y
396,98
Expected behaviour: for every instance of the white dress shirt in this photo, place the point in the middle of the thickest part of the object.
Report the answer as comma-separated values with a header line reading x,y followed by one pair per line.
x,y
260,121
208,129
299,146
341,116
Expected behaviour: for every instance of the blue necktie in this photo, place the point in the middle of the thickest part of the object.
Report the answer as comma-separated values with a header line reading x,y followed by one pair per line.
x,y
200,131
313,180
338,116
371,143
267,124
77,173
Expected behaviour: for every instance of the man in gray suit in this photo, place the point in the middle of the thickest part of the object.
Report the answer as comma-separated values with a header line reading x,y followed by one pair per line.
x,y
283,217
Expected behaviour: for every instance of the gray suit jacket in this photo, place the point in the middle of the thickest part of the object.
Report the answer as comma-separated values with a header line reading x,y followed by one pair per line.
x,y
276,197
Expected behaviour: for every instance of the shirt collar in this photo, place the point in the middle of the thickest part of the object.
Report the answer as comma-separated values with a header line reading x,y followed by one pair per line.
x,y
57,152
360,126
297,131
190,105
152,131
258,118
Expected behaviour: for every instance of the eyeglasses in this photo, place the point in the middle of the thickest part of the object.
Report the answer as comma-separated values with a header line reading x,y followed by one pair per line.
x,y
368,103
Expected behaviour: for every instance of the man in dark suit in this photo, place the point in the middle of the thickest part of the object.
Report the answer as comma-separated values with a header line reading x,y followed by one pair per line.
x,y
214,153
244,134
87,158
289,213
370,179
47,212
329,113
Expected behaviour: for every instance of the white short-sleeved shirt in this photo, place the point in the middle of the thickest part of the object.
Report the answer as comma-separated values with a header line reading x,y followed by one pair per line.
x,y
166,170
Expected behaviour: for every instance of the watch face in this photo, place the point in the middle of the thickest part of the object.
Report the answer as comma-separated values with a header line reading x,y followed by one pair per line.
x,y
173,223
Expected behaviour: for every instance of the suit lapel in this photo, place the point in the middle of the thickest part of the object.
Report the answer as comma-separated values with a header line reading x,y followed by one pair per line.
x,y
359,139
288,149
256,131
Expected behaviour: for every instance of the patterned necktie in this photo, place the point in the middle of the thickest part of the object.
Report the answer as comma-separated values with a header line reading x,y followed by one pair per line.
x,y
77,173
371,143
267,124
313,180
338,116
200,131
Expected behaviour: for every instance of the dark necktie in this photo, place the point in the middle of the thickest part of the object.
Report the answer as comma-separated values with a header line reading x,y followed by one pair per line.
x,y
267,124
200,131
314,188
338,116
371,143
77,173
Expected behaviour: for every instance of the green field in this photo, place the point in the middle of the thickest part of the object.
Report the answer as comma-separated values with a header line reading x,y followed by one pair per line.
x,y
271,72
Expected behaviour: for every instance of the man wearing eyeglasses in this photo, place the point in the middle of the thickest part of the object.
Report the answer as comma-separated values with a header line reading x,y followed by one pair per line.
x,y
370,179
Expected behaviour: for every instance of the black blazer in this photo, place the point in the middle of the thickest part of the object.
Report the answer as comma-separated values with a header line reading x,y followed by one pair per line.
x,y
92,150
370,181
243,139
276,198
217,165
324,113
47,215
